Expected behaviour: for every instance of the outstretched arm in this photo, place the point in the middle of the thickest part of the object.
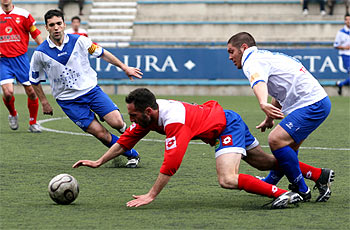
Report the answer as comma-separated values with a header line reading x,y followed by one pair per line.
x,y
47,109
113,152
129,71
140,200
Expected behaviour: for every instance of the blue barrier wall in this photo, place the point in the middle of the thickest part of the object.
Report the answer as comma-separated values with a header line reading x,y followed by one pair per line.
x,y
207,63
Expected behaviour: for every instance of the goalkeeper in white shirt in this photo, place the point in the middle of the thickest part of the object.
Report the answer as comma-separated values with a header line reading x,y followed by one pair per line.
x,y
65,60
297,98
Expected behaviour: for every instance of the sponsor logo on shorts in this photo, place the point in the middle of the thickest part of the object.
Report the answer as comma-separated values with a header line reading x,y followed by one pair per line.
x,y
289,125
170,143
226,140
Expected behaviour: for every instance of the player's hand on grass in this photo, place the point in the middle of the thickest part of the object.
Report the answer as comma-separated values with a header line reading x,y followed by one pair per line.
x,y
268,123
272,111
133,72
91,164
47,109
140,200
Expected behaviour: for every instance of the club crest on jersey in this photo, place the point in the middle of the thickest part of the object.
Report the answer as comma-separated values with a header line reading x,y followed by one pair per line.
x,y
226,140
8,29
170,143
132,126
18,20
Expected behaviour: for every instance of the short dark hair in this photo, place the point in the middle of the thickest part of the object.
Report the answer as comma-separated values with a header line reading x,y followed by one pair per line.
x,y
243,37
75,18
346,15
52,13
142,98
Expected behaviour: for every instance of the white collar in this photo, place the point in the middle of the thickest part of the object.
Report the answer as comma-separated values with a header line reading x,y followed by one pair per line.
x,y
247,53
53,45
346,28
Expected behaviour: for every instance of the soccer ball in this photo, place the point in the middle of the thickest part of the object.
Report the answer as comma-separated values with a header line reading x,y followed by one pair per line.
x,y
63,189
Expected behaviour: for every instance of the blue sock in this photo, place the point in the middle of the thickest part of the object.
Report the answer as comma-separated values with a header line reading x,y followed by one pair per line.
x,y
274,177
129,153
288,161
345,82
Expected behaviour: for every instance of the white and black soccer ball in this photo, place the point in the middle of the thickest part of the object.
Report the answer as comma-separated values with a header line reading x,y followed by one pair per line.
x,y
63,189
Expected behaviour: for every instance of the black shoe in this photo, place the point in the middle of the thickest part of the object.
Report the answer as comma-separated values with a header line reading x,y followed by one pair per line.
x,y
323,184
305,195
340,90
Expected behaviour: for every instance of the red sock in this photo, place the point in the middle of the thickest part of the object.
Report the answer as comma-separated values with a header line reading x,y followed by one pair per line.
x,y
10,106
253,185
309,171
33,107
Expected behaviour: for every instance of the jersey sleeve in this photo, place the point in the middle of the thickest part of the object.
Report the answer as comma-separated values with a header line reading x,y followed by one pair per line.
x,y
94,49
36,73
338,40
30,24
177,139
131,136
256,71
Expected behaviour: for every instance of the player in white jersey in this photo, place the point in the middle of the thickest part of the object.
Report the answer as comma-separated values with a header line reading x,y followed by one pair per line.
x,y
297,98
342,43
64,59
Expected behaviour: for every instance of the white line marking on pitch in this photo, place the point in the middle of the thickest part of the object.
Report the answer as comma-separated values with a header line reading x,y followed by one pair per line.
x,y
155,140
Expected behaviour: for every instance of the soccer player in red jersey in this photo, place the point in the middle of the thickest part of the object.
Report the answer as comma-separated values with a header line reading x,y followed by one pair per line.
x,y
76,27
182,122
15,26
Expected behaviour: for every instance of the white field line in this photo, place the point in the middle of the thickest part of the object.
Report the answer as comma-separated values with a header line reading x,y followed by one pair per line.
x,y
156,140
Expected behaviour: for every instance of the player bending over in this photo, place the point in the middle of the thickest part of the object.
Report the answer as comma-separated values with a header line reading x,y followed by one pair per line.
x,y
65,60
182,122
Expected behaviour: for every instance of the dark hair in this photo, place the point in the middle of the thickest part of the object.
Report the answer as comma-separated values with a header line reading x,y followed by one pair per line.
x,y
76,18
346,15
52,13
243,37
142,98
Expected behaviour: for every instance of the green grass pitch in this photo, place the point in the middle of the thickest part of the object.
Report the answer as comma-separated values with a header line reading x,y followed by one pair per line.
x,y
192,200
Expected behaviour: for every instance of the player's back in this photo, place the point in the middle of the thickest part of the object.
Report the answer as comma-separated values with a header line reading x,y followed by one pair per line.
x,y
205,121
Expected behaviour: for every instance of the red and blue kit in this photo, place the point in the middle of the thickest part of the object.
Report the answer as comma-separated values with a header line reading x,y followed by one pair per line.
x,y
15,27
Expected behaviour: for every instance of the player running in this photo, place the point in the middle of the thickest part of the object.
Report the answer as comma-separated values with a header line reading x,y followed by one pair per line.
x,y
182,122
295,93
16,25
65,60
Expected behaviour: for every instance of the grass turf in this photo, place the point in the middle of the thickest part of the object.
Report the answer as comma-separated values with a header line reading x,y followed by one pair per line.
x,y
192,200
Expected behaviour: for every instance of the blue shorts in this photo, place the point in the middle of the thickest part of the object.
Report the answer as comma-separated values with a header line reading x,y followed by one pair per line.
x,y
81,110
236,138
14,67
302,122
346,62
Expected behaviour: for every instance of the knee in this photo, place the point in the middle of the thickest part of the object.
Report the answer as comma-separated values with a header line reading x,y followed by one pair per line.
x,y
7,93
274,141
228,181
102,136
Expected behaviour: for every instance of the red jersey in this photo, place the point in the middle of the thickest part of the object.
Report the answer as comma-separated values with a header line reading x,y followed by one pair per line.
x,y
80,32
15,27
180,122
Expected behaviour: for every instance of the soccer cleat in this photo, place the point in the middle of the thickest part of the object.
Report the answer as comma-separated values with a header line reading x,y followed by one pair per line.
x,y
133,162
305,195
323,184
13,122
260,177
34,128
285,199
